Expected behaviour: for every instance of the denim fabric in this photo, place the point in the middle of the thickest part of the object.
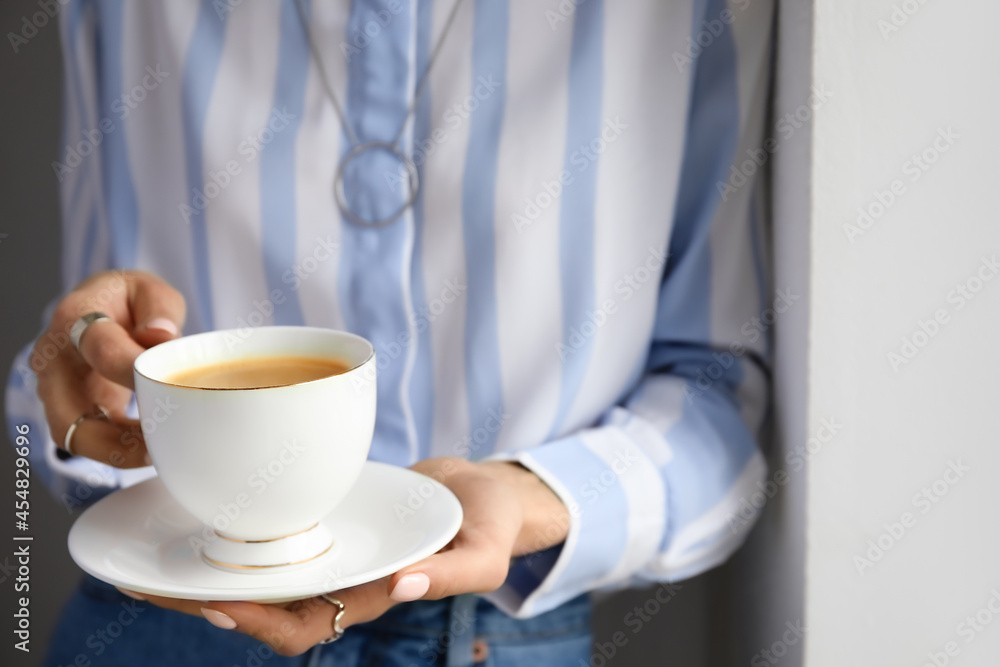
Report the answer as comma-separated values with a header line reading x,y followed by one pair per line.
x,y
108,628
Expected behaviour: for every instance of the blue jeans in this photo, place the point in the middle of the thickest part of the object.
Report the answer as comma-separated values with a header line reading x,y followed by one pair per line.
x,y
108,628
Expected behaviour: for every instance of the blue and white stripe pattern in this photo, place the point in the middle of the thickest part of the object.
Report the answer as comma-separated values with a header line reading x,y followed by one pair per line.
x,y
568,289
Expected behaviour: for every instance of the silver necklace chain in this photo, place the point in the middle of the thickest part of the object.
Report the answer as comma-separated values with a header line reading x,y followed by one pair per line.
x,y
359,147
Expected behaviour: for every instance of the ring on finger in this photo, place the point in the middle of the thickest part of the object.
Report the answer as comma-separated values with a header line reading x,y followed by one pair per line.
x,y
100,412
339,614
82,324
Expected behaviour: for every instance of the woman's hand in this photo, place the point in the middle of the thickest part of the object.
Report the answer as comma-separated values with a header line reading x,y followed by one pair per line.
x,y
145,311
508,512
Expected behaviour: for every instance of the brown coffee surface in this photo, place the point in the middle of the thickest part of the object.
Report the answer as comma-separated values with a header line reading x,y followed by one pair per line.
x,y
258,372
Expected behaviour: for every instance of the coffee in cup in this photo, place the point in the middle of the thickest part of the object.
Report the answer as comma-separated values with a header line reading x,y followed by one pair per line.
x,y
258,372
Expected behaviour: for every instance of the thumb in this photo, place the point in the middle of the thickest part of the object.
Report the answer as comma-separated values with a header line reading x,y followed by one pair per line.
x,y
478,558
158,310
450,573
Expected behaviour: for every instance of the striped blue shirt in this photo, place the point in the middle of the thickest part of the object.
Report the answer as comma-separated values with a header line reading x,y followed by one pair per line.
x,y
577,287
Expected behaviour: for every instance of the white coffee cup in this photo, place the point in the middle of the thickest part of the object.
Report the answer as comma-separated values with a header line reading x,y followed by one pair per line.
x,y
261,467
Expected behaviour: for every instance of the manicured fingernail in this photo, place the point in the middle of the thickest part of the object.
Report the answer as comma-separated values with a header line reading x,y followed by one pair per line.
x,y
411,587
131,594
162,324
218,619
148,461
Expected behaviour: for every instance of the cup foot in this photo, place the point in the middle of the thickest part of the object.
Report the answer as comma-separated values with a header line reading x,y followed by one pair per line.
x,y
247,557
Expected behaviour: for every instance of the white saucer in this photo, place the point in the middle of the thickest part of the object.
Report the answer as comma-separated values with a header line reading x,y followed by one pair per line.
x,y
138,538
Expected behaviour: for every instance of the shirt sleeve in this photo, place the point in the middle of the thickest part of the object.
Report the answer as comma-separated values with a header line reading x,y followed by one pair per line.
x,y
74,481
658,489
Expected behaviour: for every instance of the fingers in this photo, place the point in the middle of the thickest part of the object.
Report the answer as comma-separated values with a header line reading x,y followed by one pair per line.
x,y
118,445
109,350
69,389
192,607
144,311
478,558
158,310
471,566
117,442
289,629
299,626
155,313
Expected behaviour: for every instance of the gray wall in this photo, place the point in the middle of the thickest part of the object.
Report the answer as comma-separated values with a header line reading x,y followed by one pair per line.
x,y
766,578
678,633
29,276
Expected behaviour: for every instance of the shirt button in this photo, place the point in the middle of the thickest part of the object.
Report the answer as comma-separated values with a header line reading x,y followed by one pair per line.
x,y
480,651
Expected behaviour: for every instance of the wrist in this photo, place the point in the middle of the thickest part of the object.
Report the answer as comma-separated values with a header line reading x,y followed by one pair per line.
x,y
546,519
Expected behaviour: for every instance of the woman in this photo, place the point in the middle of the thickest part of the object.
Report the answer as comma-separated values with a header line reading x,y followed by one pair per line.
x,y
553,248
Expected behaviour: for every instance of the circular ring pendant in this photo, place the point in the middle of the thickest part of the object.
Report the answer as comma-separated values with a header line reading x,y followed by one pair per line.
x,y
412,180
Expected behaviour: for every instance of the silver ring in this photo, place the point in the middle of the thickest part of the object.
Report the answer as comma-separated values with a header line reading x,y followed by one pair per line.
x,y
413,179
337,631
81,325
100,412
